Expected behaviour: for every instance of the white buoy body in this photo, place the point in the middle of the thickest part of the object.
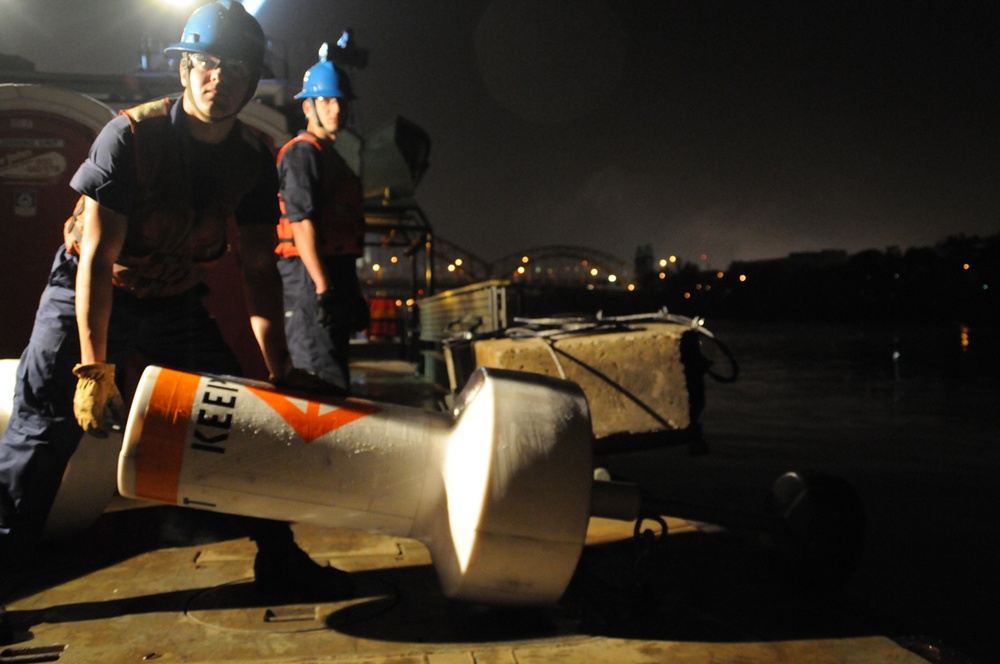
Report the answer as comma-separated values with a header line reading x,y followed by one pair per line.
x,y
499,490
88,484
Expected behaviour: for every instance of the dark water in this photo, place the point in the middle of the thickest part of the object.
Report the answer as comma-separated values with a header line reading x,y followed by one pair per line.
x,y
910,417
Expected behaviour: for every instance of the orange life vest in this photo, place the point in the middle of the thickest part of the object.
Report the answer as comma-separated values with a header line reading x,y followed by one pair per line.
x,y
340,230
167,242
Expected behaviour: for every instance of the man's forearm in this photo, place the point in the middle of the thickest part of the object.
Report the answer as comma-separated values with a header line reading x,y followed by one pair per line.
x,y
262,289
103,237
304,233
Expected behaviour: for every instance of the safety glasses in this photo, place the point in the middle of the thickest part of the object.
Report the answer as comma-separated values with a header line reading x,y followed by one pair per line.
x,y
205,62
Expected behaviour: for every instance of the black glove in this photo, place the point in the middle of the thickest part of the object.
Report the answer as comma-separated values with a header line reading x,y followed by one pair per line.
x,y
302,382
328,308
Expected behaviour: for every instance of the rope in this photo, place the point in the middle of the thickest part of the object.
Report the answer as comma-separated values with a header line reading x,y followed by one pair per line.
x,y
552,329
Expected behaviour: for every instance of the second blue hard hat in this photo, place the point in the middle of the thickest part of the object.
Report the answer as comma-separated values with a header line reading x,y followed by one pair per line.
x,y
324,79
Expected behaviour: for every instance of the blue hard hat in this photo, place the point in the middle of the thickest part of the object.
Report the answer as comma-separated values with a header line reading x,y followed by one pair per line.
x,y
223,29
324,79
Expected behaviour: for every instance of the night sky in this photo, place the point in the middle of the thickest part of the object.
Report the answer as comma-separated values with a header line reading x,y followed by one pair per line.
x,y
740,130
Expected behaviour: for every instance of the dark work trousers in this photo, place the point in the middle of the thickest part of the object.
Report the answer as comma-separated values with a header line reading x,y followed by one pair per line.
x,y
42,434
323,351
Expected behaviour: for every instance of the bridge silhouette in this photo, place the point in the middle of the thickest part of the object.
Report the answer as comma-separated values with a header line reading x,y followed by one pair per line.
x,y
561,264
391,270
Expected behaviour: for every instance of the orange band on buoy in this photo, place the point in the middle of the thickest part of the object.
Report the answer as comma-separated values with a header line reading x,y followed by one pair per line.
x,y
312,419
164,430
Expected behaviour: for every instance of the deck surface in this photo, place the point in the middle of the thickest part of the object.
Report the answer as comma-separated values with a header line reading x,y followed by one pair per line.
x,y
162,584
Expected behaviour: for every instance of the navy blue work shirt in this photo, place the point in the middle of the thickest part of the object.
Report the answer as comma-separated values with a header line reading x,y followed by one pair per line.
x,y
108,175
300,177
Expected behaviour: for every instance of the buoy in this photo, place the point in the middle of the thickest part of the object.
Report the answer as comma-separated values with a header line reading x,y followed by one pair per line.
x,y
499,490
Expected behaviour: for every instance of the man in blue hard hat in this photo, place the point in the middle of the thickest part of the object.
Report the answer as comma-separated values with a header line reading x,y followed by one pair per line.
x,y
157,191
321,232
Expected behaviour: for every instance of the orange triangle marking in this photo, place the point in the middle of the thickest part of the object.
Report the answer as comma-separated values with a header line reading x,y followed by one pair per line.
x,y
312,419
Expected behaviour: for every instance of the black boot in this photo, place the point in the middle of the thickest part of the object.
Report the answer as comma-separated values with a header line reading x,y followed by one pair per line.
x,y
6,631
284,573
292,576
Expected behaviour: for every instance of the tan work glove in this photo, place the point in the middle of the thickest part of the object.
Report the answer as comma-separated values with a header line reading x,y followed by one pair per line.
x,y
97,404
